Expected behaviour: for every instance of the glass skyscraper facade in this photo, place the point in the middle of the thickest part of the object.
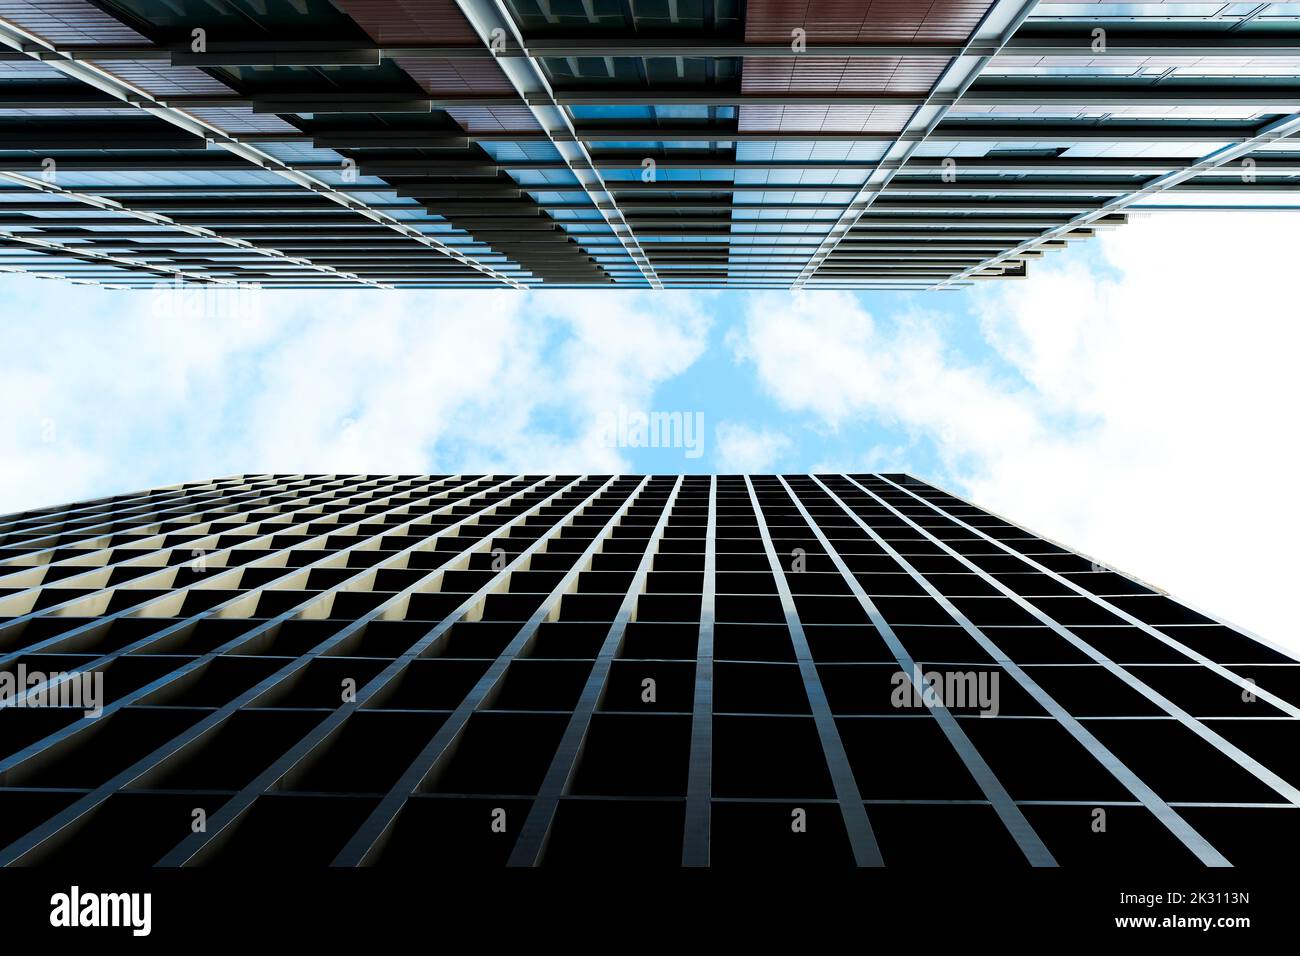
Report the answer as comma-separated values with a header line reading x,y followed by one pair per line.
x,y
622,143
491,670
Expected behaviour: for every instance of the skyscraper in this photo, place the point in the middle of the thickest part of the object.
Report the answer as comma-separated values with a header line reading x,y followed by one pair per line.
x,y
487,670
657,144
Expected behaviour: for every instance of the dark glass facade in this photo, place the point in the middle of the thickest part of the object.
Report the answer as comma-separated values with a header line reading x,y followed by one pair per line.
x,y
606,143
491,670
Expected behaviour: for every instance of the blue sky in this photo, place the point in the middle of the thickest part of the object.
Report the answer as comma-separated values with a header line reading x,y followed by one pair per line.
x,y
1131,382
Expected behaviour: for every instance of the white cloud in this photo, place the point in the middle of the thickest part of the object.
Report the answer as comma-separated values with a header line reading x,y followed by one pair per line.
x,y
1142,413
875,458
107,395
745,450
1145,417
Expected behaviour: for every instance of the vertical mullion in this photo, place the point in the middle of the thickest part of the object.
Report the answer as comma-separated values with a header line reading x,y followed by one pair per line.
x,y
254,633
69,512
16,851
6,570
1219,742
269,778
163,511
1166,814
159,510
1030,844
374,832
699,787
1280,703
214,611
231,646
217,573
531,843
866,851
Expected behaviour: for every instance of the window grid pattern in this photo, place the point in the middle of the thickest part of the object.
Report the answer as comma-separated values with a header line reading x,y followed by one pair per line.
x,y
907,145
492,670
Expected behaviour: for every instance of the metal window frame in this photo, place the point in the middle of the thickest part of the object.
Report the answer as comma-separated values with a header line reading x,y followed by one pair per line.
x,y
996,27
41,50
491,17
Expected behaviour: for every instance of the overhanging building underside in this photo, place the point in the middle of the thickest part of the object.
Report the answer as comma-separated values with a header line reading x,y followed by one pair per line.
x,y
630,143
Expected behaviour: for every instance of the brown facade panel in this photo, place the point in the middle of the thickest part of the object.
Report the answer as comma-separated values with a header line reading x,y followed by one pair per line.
x,y
392,22
810,74
770,21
